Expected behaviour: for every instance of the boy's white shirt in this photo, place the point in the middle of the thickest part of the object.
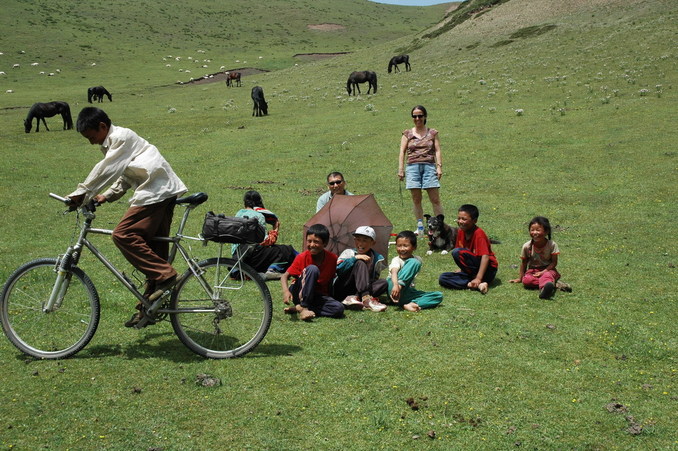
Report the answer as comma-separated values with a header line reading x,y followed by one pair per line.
x,y
131,162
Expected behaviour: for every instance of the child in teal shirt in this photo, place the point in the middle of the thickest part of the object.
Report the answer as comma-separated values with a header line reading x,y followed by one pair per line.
x,y
403,269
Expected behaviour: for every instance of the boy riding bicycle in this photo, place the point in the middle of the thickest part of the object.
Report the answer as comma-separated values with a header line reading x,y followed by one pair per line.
x,y
132,162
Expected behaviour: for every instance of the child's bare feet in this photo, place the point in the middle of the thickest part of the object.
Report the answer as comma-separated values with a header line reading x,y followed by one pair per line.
x,y
412,307
293,310
306,314
483,287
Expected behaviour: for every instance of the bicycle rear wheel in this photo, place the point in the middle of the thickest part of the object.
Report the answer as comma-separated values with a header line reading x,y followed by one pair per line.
x,y
48,335
224,313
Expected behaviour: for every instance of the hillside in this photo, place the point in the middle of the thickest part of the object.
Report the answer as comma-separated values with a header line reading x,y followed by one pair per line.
x,y
177,40
559,108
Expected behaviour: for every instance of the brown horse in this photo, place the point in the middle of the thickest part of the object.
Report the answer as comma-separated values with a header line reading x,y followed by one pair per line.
x,y
356,78
231,77
42,110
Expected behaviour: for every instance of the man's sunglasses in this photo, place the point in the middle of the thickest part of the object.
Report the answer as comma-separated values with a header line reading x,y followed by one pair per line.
x,y
335,182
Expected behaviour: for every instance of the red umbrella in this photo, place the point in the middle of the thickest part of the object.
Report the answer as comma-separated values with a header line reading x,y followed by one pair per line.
x,y
343,214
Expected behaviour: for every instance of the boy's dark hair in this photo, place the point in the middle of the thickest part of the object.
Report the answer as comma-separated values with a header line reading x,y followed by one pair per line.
x,y
408,235
89,119
472,211
320,231
253,199
335,174
542,221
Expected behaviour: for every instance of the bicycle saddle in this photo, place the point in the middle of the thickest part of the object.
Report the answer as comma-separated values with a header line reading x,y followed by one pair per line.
x,y
193,199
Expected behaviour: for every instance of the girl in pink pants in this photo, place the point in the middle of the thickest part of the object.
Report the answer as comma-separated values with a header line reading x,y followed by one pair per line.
x,y
539,258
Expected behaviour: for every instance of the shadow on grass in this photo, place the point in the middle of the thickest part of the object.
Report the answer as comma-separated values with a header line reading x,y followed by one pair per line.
x,y
165,346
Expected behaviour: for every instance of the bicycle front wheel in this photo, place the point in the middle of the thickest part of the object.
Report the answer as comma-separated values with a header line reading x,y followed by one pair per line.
x,y
223,313
57,334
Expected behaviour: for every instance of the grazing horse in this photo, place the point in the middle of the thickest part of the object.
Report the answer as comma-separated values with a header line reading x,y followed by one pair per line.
x,y
98,93
42,110
233,76
361,77
260,105
399,60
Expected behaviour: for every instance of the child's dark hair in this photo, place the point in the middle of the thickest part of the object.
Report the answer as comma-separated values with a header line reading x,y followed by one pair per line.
x,y
253,199
542,221
320,231
90,118
472,211
408,235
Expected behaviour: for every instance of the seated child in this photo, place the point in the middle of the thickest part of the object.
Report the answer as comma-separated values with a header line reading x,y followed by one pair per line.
x,y
403,269
313,270
539,258
358,282
473,254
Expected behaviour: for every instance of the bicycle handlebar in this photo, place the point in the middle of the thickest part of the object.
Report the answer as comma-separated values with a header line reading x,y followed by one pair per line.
x,y
65,200
91,205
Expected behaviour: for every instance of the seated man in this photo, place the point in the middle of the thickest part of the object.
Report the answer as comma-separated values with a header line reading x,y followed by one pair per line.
x,y
337,185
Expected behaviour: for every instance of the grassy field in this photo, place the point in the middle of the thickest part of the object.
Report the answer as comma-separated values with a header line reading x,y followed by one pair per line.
x,y
562,109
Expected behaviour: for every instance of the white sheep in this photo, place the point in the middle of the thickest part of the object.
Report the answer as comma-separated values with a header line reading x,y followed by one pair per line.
x,y
34,64
16,66
2,72
9,91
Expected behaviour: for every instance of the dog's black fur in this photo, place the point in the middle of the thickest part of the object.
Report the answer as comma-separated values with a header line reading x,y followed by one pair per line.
x,y
442,236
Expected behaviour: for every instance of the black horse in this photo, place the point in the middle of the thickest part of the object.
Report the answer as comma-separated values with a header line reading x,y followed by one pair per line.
x,y
260,105
98,93
42,110
361,77
233,77
399,60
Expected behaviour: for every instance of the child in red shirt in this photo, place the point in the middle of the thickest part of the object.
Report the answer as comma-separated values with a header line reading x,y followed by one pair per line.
x,y
473,254
313,270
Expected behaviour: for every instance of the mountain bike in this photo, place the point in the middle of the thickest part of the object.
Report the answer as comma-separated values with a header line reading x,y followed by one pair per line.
x,y
219,308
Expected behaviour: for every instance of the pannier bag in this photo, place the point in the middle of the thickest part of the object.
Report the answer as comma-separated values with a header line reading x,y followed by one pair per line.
x,y
230,229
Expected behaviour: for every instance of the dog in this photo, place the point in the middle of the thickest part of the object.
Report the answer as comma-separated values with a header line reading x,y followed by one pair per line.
x,y
441,236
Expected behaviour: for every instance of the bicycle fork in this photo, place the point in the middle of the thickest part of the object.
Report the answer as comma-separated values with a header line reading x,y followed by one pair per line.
x,y
62,282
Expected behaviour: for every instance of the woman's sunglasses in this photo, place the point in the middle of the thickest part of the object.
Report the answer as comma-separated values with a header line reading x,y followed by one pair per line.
x,y
418,116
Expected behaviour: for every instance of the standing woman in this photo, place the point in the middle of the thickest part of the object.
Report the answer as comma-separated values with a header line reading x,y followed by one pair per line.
x,y
421,146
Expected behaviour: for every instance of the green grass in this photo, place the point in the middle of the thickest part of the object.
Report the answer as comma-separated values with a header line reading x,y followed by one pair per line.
x,y
594,151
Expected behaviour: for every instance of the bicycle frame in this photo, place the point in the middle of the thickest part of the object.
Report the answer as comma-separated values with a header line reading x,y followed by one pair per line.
x,y
72,256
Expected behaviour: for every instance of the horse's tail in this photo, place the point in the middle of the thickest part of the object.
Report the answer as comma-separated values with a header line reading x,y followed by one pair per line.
x,y
66,114
89,95
375,83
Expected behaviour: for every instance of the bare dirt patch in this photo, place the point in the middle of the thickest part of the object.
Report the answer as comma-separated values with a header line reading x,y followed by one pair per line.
x,y
221,76
326,27
317,56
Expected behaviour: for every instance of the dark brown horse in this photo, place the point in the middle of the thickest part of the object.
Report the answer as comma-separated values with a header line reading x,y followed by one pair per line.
x,y
98,93
356,78
399,60
260,105
42,110
233,77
